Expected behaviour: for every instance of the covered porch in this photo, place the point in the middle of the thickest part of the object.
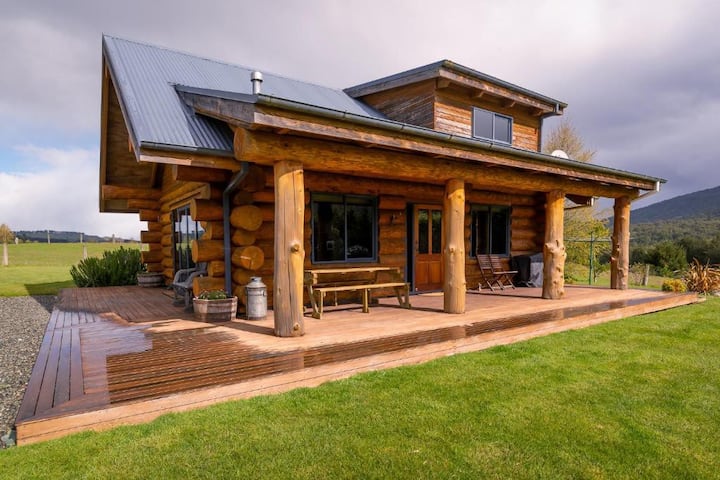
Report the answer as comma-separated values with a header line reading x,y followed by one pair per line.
x,y
125,355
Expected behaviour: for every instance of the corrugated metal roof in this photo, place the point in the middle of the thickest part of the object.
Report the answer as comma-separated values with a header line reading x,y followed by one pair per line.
x,y
145,77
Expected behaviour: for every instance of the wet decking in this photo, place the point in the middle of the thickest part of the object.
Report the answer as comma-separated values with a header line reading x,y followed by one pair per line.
x,y
126,355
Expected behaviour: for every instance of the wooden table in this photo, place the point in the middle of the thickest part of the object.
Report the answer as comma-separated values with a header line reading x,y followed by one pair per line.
x,y
319,281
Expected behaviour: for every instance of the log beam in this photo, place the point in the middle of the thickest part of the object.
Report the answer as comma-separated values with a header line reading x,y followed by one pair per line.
x,y
115,192
199,174
554,247
289,249
454,285
620,258
266,148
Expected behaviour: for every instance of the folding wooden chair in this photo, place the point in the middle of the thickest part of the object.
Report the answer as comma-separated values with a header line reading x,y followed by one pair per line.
x,y
492,273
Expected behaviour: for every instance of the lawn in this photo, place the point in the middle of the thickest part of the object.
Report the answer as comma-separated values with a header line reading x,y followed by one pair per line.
x,y
636,398
42,268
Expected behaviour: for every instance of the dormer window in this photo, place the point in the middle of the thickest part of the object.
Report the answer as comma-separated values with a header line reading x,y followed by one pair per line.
x,y
491,126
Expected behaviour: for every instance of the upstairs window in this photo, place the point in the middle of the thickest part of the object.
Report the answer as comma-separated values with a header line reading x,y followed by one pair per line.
x,y
492,126
344,228
490,232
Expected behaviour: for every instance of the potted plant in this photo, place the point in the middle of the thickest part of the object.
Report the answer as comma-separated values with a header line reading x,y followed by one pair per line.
x,y
214,306
150,279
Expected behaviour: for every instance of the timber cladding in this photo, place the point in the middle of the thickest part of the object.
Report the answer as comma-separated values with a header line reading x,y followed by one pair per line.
x,y
453,114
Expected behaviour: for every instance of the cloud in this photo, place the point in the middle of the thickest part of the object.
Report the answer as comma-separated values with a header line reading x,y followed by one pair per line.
x,y
59,191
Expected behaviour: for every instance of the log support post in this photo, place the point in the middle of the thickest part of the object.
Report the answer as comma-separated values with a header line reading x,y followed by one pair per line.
x,y
454,286
289,249
554,246
620,258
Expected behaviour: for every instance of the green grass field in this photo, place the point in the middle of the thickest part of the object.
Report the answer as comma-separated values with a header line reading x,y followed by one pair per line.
x,y
635,398
43,269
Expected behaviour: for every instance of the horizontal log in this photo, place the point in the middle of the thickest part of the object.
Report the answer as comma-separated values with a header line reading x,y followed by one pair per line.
x,y
214,231
216,268
154,227
165,218
167,240
207,250
266,148
242,276
387,202
207,210
254,181
167,251
242,198
150,237
154,267
152,257
199,174
206,284
167,229
167,262
525,244
114,192
148,215
153,246
264,196
242,237
248,217
250,258
136,204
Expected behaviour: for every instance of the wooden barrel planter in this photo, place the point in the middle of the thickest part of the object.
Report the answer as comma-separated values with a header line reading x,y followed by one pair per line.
x,y
151,279
220,310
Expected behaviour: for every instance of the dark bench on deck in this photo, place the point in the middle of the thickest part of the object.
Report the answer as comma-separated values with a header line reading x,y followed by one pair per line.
x,y
317,291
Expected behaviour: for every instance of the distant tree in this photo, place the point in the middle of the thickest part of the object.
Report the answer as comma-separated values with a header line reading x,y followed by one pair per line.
x,y
581,224
6,235
566,138
668,257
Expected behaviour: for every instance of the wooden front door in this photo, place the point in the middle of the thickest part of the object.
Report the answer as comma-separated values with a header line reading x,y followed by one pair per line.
x,y
428,247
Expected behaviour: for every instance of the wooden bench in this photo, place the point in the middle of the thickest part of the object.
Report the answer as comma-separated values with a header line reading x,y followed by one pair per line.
x,y
492,273
317,291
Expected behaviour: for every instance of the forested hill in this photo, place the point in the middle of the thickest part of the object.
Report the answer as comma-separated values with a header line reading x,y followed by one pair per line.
x,y
702,204
61,237
695,216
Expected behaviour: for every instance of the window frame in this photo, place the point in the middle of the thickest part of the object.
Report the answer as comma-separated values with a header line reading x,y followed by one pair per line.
x,y
177,213
375,224
494,115
489,209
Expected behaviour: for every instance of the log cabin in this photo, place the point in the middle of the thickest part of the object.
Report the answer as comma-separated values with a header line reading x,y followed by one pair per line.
x,y
261,175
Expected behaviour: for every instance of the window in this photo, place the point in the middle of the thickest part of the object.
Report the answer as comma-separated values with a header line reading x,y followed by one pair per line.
x,y
490,232
186,230
492,126
344,228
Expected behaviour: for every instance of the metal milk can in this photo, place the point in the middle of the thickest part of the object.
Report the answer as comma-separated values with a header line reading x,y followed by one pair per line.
x,y
256,299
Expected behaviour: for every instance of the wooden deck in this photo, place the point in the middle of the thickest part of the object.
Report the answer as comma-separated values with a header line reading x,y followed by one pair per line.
x,y
124,355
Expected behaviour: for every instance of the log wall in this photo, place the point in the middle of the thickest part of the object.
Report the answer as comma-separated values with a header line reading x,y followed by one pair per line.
x,y
252,230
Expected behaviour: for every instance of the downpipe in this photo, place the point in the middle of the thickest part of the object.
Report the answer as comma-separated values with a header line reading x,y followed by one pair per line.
x,y
234,182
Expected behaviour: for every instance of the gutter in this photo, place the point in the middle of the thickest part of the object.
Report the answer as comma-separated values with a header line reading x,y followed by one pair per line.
x,y
234,182
442,136
422,132
649,192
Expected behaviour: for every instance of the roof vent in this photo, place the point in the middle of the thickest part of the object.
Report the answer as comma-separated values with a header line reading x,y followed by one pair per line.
x,y
256,80
560,154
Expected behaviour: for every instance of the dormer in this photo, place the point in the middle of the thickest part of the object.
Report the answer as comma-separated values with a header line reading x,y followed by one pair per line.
x,y
454,99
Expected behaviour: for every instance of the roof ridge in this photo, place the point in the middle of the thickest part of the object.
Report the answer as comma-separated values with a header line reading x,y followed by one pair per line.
x,y
222,62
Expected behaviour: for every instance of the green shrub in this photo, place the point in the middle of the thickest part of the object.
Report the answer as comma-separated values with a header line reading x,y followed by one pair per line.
x,y
115,267
674,285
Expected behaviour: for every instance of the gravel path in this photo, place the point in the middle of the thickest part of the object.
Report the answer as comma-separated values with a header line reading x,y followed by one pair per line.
x,y
22,326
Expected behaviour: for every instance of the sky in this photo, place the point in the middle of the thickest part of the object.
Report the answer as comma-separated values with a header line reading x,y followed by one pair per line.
x,y
642,78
